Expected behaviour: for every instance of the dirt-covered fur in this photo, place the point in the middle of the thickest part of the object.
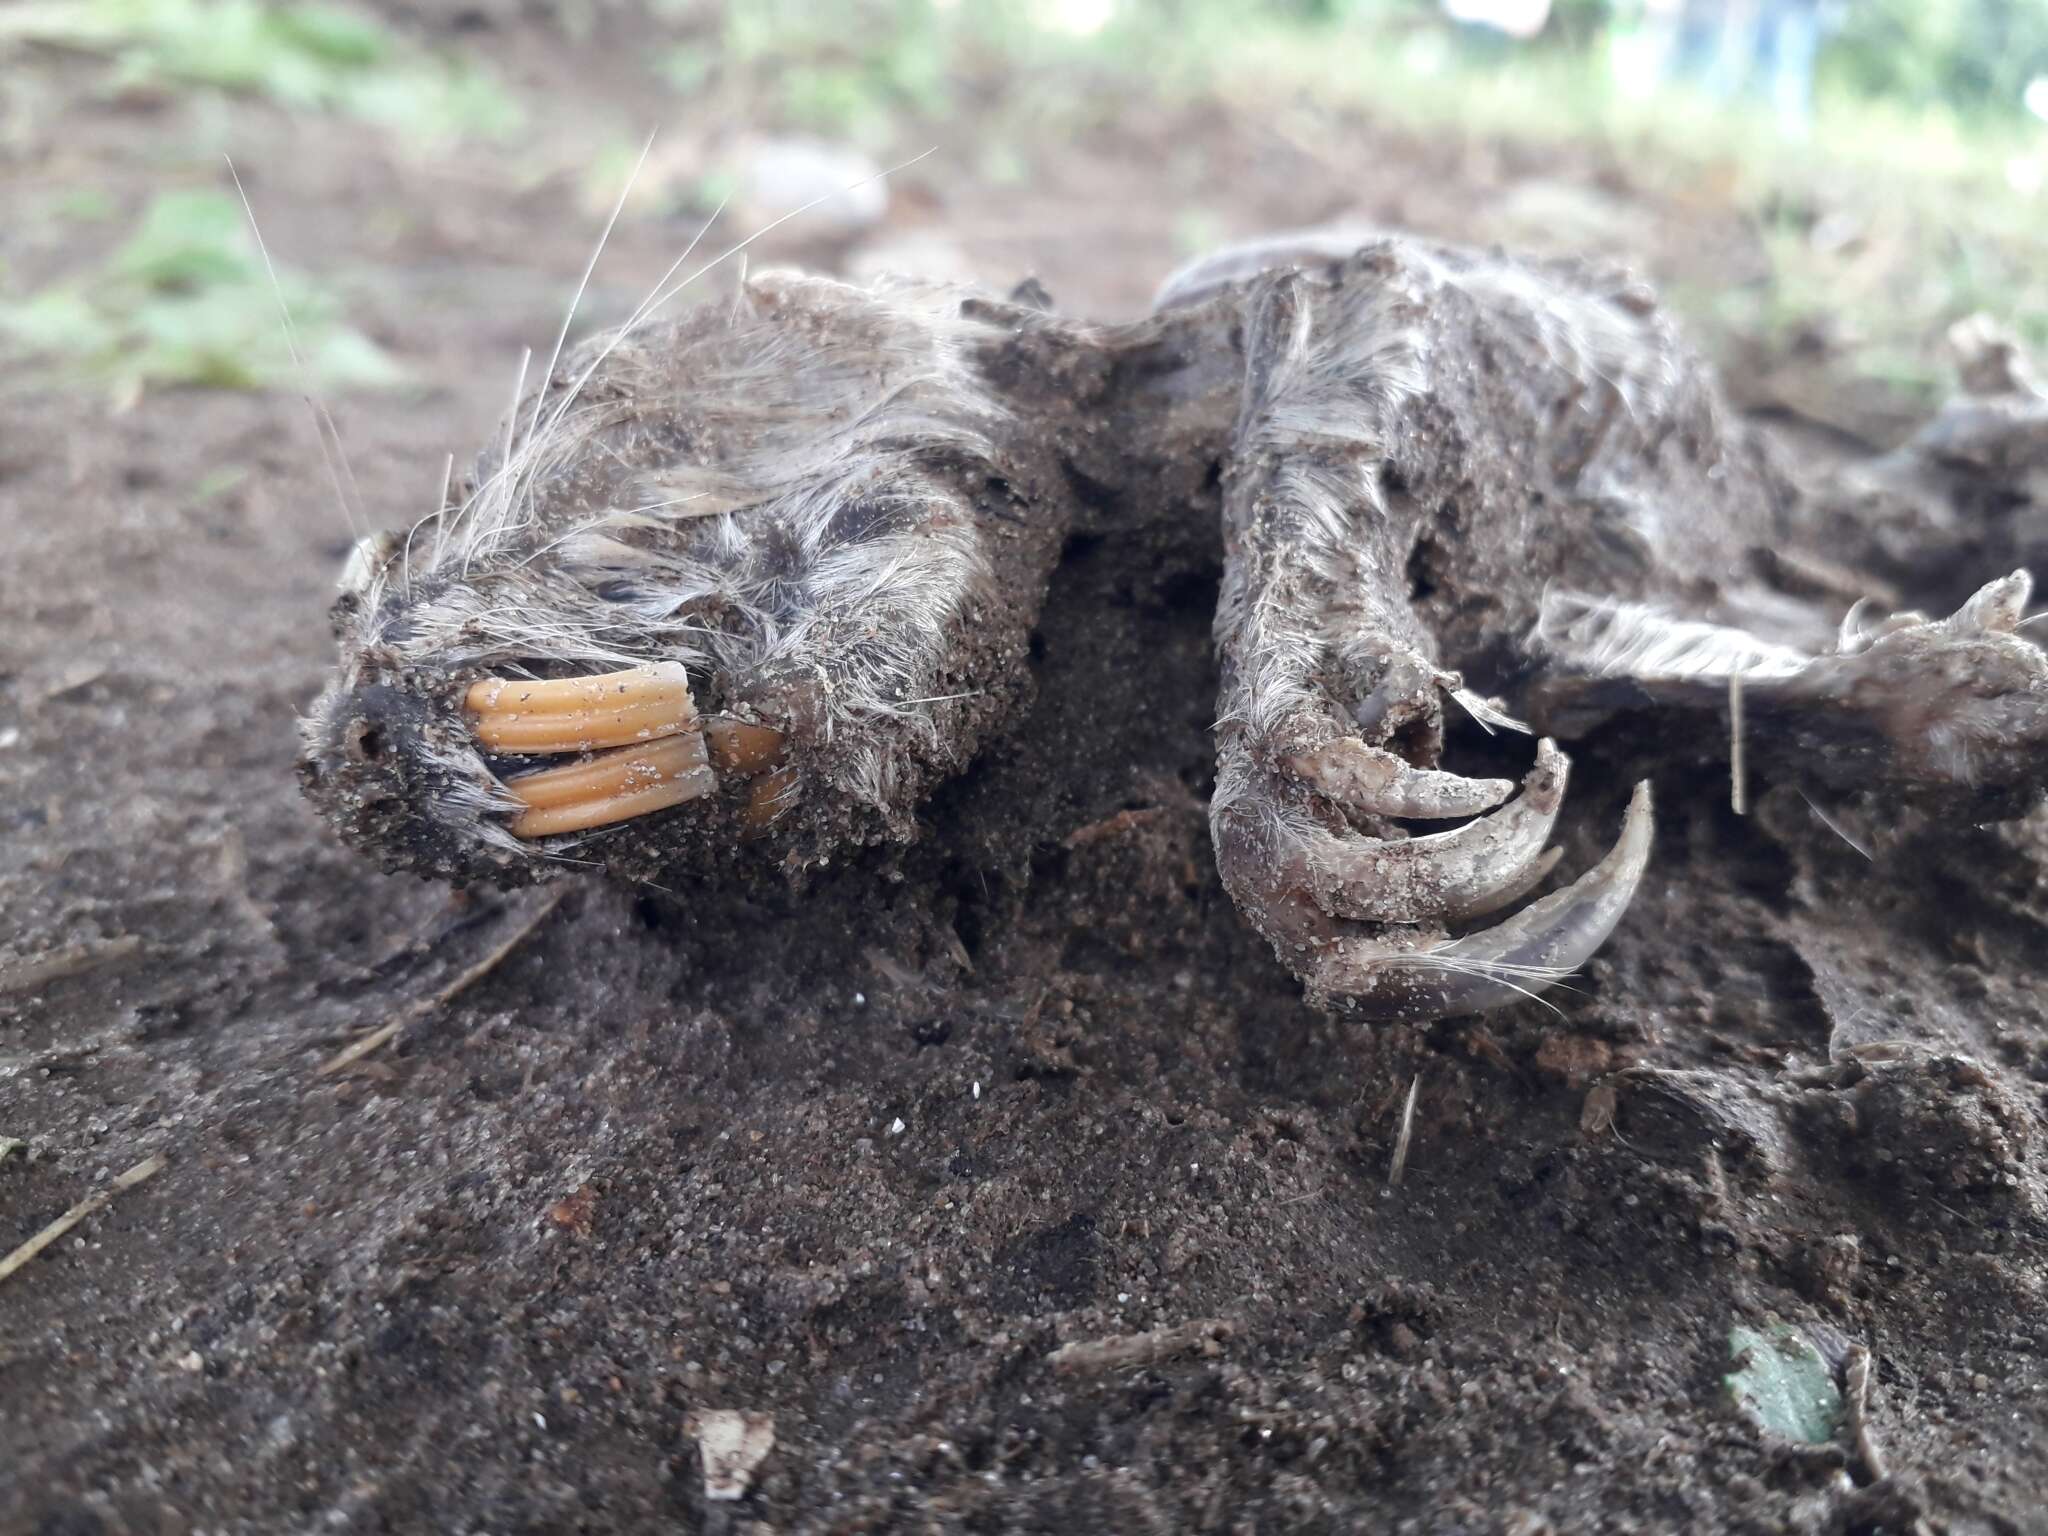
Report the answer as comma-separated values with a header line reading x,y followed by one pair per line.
x,y
799,498
1430,476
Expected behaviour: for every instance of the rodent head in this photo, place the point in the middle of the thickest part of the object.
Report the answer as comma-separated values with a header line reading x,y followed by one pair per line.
x,y
636,597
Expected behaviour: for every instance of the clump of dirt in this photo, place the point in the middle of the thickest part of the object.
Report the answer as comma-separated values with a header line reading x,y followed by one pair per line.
x,y
1006,1173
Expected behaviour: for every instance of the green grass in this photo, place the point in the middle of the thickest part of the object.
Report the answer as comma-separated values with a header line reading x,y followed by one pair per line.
x,y
1940,224
1885,225
1882,228
1893,220
186,300
302,56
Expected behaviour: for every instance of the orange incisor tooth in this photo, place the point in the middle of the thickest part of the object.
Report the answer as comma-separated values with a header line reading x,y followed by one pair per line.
x,y
741,749
578,714
612,787
767,799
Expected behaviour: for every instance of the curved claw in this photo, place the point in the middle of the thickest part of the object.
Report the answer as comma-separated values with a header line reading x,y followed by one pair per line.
x,y
1474,868
1560,933
1532,950
1372,781
1509,894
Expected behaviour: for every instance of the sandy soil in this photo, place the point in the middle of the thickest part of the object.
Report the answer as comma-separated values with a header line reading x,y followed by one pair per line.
x,y
876,1163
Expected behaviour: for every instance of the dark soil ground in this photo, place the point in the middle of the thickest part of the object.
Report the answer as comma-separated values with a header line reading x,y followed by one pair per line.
x,y
868,1161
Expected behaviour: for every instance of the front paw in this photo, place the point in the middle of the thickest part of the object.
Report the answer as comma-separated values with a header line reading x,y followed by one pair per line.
x,y
1308,847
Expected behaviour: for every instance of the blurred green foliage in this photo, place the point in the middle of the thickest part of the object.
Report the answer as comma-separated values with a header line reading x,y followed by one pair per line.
x,y
837,63
1974,55
186,299
1915,197
303,56
1970,55
854,68
1919,112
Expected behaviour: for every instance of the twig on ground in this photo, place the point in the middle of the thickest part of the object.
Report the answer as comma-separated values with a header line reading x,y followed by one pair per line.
x,y
1111,827
1090,1356
71,960
1856,1377
1407,1134
1738,777
350,1054
148,1168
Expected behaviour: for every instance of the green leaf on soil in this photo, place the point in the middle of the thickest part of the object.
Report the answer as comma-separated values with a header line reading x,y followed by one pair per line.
x,y
1782,1383
185,300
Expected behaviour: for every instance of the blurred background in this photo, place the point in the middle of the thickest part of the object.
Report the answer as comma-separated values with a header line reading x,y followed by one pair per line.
x,y
1822,187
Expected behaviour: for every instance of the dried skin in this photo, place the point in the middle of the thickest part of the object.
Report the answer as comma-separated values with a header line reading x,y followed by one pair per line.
x,y
815,533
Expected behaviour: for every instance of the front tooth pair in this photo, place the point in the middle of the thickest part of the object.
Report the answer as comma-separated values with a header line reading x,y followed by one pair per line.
x,y
662,753
581,714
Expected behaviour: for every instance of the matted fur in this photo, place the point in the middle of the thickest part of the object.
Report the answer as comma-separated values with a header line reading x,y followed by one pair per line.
x,y
1314,431
757,492
839,509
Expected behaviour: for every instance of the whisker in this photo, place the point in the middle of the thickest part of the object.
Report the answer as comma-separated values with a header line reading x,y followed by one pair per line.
x,y
441,507
562,336
506,474
438,517
659,295
1835,827
599,521
518,389
1505,972
632,320
775,224
489,511
505,465
739,294
323,422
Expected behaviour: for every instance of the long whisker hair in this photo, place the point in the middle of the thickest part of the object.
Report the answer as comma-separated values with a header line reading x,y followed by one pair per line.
x,y
589,267
1507,973
492,510
332,454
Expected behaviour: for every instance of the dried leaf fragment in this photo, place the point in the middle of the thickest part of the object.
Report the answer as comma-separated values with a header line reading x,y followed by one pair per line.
x,y
732,1443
